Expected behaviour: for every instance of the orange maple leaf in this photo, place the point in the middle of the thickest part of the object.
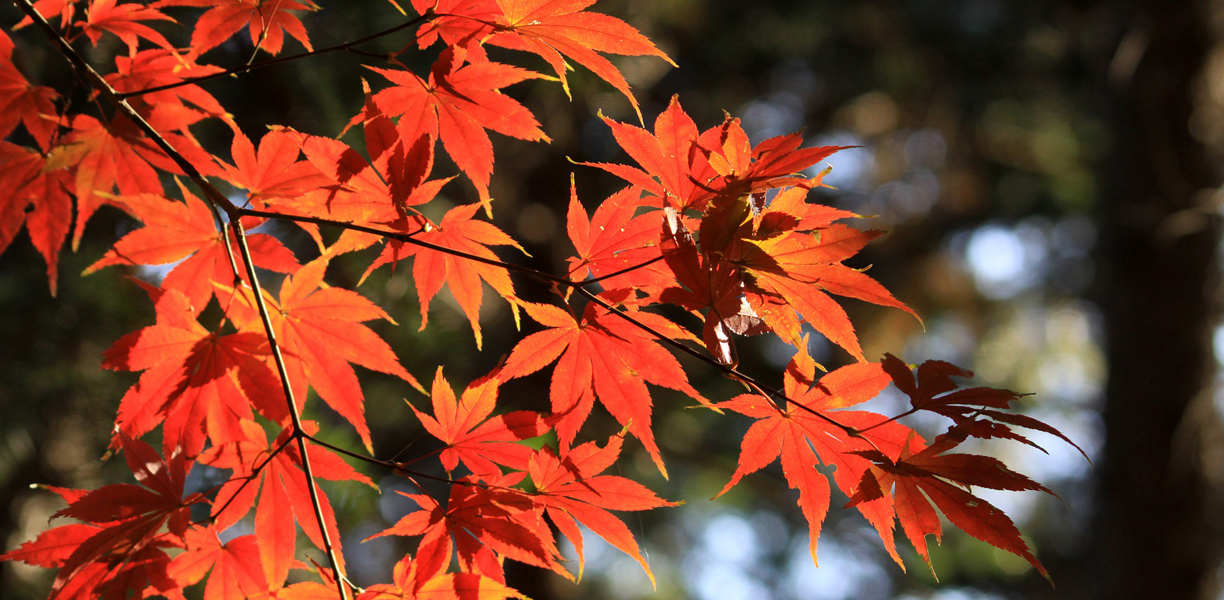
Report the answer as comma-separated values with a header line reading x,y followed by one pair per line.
x,y
600,356
431,268
187,232
480,442
267,20
459,101
571,490
808,421
320,328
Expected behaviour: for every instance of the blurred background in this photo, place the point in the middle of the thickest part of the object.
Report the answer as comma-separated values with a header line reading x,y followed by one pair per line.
x,y
1047,172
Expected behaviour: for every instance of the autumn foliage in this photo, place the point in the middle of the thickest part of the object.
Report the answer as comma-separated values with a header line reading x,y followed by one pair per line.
x,y
708,222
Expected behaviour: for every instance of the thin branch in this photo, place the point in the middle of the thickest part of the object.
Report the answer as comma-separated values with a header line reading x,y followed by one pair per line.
x,y
889,420
369,54
298,432
616,273
250,477
398,467
405,463
273,61
727,370
409,239
229,248
395,235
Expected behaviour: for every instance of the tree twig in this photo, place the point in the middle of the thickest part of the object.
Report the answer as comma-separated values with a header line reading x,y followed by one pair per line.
x,y
250,477
595,280
409,239
727,370
398,467
298,432
273,61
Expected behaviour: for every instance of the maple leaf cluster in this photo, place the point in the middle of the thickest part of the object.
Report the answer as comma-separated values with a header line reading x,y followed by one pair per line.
x,y
707,222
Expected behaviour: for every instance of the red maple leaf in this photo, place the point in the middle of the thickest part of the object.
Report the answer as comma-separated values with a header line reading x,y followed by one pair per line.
x,y
555,31
236,569
320,329
560,30
931,476
124,20
20,102
274,171
669,154
480,442
773,163
479,523
53,547
168,110
600,356
616,240
687,169
267,20
187,232
976,412
197,383
116,155
432,268
63,10
110,157
457,104
572,491
282,493
756,266
39,200
120,538
815,419
709,283
456,22
794,267
380,190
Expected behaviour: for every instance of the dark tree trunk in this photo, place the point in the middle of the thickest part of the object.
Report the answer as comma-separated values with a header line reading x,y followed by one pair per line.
x,y
1153,535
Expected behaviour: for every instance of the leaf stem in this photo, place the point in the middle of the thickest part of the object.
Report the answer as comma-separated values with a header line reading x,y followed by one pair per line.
x,y
250,477
889,420
615,273
274,61
727,370
229,247
409,239
398,467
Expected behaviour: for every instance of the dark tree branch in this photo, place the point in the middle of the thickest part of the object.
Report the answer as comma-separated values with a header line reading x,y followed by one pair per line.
x,y
298,432
398,467
247,479
347,46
